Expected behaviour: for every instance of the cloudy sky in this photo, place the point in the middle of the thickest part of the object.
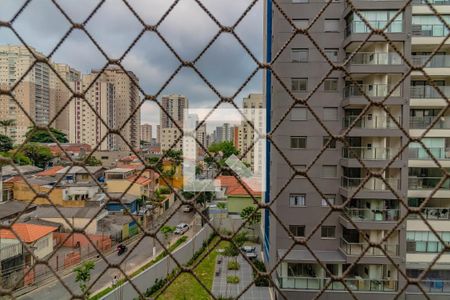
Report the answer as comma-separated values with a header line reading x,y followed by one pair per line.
x,y
187,29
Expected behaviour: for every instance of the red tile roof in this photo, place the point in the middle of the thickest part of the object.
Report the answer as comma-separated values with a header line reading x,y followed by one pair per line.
x,y
27,233
50,172
141,180
235,188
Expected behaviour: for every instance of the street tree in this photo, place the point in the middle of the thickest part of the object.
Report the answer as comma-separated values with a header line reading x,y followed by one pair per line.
x,y
6,143
36,135
83,276
38,154
167,230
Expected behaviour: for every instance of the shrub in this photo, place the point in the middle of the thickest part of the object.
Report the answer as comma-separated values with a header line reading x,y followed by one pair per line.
x,y
233,265
233,279
260,280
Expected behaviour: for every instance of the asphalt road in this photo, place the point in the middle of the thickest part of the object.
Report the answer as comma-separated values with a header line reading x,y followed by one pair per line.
x,y
139,255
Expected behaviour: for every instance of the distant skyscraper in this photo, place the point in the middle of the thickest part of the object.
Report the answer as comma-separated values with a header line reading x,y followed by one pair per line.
x,y
158,134
146,133
174,105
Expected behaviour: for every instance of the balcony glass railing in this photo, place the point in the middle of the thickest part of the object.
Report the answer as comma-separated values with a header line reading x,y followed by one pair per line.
x,y
432,2
426,183
371,122
425,122
368,153
373,184
356,284
437,61
435,285
361,27
429,92
433,213
366,214
371,90
420,153
376,58
429,30
358,249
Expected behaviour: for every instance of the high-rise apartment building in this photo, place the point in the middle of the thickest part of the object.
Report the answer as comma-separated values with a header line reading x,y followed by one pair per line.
x,y
146,133
114,98
158,134
372,210
34,92
248,140
174,106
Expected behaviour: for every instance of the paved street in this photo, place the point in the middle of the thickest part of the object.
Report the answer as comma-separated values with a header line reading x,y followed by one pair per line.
x,y
141,254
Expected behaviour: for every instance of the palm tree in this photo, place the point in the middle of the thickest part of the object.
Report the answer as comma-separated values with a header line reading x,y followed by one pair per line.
x,y
7,123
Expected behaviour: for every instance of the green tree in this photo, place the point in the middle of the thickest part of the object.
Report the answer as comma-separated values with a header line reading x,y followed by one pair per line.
x,y
83,275
92,161
247,214
19,158
175,155
7,123
38,154
6,143
155,162
167,230
43,136
221,152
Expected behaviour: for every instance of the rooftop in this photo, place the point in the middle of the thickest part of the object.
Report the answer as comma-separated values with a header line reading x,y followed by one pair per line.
x,y
140,180
79,170
119,170
235,188
127,198
50,172
10,209
27,233
68,212
8,171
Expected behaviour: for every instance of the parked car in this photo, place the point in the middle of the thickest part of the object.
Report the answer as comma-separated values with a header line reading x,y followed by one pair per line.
x,y
181,228
187,208
249,251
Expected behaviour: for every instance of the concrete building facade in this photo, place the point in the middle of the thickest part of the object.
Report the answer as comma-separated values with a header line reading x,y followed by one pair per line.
x,y
146,133
174,106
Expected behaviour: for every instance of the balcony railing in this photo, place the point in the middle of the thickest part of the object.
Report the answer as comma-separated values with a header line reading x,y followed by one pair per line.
x,y
425,122
368,153
371,122
426,183
371,90
435,285
429,92
376,58
433,213
432,2
429,30
437,61
420,153
366,214
361,27
373,184
356,284
358,249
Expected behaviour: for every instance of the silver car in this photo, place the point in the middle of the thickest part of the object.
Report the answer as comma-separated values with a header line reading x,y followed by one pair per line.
x,y
181,228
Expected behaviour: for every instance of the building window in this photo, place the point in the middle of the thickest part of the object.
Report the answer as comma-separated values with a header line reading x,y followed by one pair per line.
x,y
332,54
297,230
299,84
329,171
301,23
299,114
330,85
299,54
297,200
332,144
300,1
298,142
331,25
328,232
330,198
330,113
425,241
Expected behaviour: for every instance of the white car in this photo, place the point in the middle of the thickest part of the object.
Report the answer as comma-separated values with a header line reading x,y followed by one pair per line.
x,y
181,228
187,208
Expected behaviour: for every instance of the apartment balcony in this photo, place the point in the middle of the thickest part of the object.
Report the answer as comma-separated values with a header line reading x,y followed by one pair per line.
x,y
370,219
375,62
421,154
429,30
371,91
433,214
427,183
432,2
432,286
425,122
354,283
374,187
358,27
369,153
357,249
371,122
428,96
437,61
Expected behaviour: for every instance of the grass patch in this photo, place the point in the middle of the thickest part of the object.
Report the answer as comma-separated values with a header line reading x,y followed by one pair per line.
x,y
233,279
233,265
171,248
187,287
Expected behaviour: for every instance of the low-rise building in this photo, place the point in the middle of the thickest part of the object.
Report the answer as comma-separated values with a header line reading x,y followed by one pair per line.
x,y
235,195
10,210
128,202
131,181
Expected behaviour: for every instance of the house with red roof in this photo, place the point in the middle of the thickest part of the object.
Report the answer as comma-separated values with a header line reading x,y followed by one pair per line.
x,y
38,238
138,183
237,195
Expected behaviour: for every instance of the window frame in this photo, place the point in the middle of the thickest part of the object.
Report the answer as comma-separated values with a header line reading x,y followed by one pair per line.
x,y
298,137
297,227
297,195
324,229
299,79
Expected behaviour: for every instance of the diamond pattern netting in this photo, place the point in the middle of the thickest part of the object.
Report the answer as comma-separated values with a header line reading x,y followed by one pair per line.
x,y
231,100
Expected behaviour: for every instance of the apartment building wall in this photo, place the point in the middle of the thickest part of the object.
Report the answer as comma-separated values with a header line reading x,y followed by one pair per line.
x,y
174,105
315,68
146,132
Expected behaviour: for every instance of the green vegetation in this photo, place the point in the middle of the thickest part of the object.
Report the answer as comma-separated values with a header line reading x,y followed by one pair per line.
x,y
167,231
92,161
233,279
6,143
222,151
83,275
186,286
260,280
38,154
249,214
239,240
233,265
19,158
36,135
